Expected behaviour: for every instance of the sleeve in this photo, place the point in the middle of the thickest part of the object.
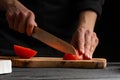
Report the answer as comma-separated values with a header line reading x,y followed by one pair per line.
x,y
95,5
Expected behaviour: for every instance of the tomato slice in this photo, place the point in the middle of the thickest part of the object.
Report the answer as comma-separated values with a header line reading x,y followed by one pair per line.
x,y
24,52
73,57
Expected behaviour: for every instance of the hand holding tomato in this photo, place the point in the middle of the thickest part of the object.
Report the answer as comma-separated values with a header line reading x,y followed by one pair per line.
x,y
78,56
85,41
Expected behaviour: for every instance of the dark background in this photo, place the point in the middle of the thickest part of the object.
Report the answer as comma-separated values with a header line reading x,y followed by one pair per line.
x,y
108,32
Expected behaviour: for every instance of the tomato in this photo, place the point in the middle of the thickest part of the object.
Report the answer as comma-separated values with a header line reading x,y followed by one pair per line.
x,y
79,56
73,57
24,52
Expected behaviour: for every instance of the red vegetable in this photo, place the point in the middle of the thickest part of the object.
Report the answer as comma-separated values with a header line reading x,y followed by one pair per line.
x,y
24,52
73,57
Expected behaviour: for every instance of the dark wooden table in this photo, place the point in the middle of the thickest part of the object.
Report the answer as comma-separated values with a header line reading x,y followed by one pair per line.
x,y
111,72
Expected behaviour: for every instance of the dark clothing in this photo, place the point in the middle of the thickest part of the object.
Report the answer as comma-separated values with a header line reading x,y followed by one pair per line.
x,y
58,17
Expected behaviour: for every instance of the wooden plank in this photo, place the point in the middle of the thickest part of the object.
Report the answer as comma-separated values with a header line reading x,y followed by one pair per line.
x,y
52,62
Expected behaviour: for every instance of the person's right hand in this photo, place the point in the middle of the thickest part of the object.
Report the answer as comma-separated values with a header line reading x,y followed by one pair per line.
x,y
20,18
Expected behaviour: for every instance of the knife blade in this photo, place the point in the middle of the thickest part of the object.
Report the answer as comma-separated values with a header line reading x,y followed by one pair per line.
x,y
53,41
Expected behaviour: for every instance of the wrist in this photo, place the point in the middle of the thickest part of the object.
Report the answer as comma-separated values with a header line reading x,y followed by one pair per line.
x,y
5,4
87,20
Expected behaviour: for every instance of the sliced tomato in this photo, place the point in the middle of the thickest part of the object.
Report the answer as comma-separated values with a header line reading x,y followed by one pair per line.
x,y
24,52
70,57
73,57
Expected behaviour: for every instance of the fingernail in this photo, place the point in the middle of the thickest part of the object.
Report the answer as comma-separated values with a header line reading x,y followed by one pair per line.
x,y
90,56
82,51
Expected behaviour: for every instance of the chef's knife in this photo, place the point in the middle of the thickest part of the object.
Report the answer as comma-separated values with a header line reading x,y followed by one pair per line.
x,y
53,41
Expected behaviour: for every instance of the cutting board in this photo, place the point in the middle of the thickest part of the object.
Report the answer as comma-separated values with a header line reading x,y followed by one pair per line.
x,y
52,62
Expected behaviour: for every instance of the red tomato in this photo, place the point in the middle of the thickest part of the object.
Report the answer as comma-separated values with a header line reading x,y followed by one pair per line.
x,y
24,52
73,57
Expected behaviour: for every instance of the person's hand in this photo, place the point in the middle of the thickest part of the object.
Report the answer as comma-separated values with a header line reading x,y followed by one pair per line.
x,y
20,18
85,41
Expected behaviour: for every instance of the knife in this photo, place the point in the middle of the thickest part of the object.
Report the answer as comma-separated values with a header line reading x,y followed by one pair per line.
x,y
53,41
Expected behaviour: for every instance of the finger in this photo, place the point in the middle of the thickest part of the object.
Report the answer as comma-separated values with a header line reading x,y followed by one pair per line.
x,y
16,20
87,43
81,40
22,24
10,19
94,43
92,48
30,24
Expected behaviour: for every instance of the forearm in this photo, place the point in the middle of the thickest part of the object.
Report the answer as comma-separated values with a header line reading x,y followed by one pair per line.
x,y
87,20
85,39
4,4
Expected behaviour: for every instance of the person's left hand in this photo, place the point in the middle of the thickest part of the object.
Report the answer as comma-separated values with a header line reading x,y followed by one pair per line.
x,y
85,41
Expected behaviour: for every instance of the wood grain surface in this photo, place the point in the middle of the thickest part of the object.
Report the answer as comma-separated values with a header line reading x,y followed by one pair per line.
x,y
52,62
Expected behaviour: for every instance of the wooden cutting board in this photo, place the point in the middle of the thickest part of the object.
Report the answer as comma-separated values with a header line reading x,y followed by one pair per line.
x,y
52,62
